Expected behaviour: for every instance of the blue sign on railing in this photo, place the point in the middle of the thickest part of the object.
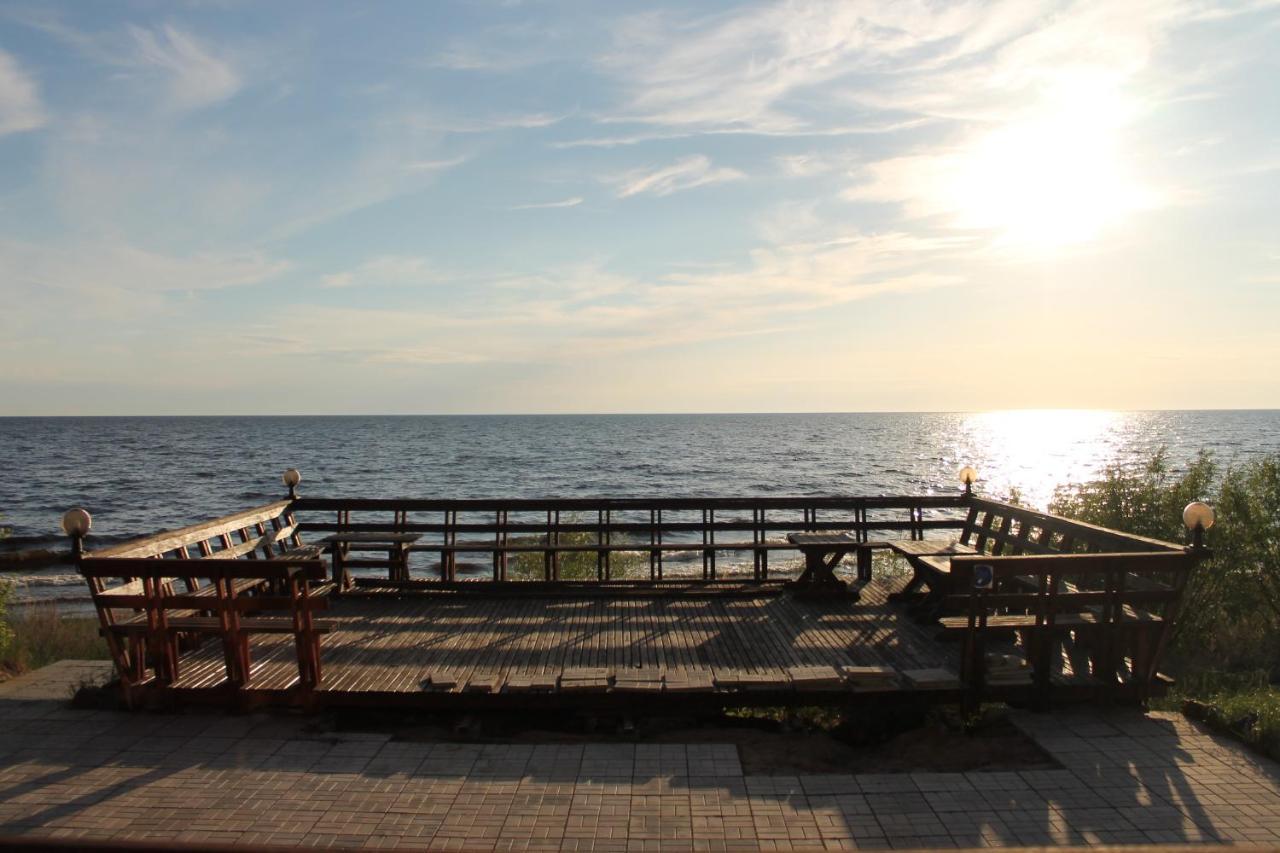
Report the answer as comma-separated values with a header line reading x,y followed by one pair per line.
x,y
983,575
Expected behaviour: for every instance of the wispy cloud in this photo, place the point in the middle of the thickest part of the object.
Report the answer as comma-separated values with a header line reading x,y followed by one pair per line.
x,y
574,201
806,165
197,78
621,140
192,73
124,267
684,174
481,124
398,270
565,313
874,67
20,107
750,69
435,165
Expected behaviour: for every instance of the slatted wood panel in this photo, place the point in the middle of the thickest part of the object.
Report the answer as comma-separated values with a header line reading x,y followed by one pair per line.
x,y
394,644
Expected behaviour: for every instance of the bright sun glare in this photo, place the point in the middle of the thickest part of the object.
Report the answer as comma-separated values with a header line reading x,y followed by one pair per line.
x,y
1053,178
1034,451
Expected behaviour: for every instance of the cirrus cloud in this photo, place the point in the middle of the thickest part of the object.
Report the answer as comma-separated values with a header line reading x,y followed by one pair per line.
x,y
684,174
20,107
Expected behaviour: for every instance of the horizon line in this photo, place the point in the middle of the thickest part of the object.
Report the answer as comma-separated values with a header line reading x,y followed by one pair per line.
x,y
641,414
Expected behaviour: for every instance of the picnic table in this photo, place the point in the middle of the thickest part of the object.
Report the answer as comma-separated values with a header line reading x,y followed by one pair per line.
x,y
823,551
395,544
930,561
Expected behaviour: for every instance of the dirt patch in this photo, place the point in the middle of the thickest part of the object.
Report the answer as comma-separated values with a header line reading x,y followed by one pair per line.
x,y
934,743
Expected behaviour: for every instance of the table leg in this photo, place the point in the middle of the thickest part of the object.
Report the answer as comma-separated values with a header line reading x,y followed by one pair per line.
x,y
340,577
402,562
819,571
864,564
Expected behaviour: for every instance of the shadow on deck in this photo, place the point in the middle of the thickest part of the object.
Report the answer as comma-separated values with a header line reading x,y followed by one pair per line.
x,y
678,648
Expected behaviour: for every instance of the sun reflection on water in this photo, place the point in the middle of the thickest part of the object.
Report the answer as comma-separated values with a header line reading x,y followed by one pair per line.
x,y
1033,451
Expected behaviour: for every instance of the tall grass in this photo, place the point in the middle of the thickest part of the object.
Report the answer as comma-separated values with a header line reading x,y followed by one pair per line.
x,y
39,634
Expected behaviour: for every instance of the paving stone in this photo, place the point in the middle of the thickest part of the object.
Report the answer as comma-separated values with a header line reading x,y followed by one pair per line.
x,y
1125,778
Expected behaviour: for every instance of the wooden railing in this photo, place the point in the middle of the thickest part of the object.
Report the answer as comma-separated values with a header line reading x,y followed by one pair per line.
x,y
654,528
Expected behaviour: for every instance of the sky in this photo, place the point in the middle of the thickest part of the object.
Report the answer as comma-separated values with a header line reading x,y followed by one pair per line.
x,y
476,207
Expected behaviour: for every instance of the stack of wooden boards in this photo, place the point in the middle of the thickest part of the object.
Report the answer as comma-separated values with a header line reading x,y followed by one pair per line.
x,y
688,680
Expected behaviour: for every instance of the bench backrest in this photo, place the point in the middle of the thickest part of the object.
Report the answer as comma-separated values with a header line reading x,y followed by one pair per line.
x,y
1002,529
116,575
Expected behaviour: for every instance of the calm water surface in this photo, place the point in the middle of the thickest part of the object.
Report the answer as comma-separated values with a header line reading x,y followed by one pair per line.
x,y
138,475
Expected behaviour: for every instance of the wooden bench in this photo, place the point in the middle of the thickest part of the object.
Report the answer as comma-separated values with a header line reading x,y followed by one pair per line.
x,y
999,529
253,575
1105,616
162,616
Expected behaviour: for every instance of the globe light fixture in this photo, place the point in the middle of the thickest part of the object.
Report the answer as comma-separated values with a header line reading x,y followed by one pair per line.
x,y
968,475
292,478
76,523
1198,516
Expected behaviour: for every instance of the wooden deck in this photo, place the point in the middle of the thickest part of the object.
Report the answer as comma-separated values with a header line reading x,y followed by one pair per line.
x,y
737,645
581,613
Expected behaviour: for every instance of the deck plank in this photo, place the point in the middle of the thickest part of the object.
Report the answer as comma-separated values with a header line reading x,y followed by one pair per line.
x,y
393,642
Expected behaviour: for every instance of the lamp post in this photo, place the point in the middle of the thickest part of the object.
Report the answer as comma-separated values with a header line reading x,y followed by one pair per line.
x,y
1198,516
968,475
76,523
291,479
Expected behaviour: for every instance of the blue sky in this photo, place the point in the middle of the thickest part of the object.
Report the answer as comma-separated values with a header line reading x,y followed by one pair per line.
x,y
232,207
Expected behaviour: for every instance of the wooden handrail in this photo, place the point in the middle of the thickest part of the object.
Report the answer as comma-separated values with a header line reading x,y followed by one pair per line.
x,y
1061,524
171,540
624,504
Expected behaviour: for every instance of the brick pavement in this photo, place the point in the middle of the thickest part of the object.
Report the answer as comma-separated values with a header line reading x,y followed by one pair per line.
x,y
1125,778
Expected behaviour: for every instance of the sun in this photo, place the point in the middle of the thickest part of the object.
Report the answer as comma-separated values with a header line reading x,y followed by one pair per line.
x,y
1055,177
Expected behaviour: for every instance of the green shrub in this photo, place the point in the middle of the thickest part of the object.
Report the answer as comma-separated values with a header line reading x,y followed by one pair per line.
x,y
575,565
1230,620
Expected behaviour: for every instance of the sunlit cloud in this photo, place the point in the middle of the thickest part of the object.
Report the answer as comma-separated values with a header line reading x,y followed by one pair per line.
x,y
751,68
1057,175
684,174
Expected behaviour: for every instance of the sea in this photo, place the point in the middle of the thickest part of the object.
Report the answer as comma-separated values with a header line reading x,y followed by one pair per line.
x,y
138,475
